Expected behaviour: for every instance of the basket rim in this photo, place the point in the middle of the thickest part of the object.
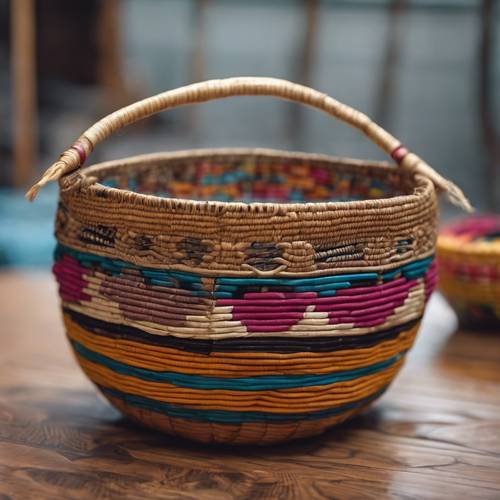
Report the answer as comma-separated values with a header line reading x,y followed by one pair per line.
x,y
423,186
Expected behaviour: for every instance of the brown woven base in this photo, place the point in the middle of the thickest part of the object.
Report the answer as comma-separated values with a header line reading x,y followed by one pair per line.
x,y
261,434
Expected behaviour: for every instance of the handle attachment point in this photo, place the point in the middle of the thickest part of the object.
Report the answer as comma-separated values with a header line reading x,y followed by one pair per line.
x,y
76,155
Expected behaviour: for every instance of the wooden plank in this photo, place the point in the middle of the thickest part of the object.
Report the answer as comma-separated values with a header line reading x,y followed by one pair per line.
x,y
435,434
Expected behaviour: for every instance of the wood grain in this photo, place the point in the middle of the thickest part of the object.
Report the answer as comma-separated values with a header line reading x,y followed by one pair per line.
x,y
435,434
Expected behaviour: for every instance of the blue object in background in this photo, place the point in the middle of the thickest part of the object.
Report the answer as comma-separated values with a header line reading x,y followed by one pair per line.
x,y
27,229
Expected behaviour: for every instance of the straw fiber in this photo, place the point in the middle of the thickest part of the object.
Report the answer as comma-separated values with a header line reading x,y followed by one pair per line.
x,y
244,295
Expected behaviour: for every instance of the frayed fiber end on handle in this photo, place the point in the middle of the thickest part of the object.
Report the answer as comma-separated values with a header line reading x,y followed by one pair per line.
x,y
70,160
457,198
53,173
33,191
454,194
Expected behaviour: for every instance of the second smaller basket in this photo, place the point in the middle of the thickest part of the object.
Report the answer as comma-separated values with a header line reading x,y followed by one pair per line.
x,y
469,269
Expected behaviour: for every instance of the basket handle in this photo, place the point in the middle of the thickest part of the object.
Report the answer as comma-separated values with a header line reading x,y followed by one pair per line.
x,y
76,155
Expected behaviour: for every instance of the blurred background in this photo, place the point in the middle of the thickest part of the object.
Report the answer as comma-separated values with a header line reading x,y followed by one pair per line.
x,y
427,70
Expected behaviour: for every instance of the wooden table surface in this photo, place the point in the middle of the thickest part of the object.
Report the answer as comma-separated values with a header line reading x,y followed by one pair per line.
x,y
435,434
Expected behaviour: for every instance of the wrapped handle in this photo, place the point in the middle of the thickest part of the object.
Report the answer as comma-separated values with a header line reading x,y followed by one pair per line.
x,y
76,155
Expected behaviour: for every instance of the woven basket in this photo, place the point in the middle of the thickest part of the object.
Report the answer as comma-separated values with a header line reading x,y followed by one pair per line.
x,y
221,295
469,269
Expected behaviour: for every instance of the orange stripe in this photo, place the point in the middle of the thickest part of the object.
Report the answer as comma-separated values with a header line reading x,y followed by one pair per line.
x,y
277,401
159,358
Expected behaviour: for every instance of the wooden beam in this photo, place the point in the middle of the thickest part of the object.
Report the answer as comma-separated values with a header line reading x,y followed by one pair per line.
x,y
24,90
197,58
110,62
491,138
390,61
304,66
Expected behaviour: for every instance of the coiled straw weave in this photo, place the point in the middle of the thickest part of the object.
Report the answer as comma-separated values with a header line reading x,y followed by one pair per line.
x,y
243,295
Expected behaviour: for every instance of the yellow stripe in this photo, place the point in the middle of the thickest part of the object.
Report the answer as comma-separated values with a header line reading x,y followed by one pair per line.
x,y
480,250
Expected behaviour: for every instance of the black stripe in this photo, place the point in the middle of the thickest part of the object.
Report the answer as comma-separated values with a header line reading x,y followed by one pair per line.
x,y
250,344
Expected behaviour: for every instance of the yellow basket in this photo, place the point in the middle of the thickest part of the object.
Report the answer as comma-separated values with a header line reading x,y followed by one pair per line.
x,y
469,269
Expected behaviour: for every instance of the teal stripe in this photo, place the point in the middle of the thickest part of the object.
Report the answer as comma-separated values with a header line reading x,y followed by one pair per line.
x,y
161,282
226,288
326,287
226,416
323,285
257,383
333,279
318,280
417,264
115,266
223,295
412,270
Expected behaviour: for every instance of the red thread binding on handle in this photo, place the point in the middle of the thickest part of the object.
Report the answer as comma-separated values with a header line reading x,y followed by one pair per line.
x,y
398,153
82,154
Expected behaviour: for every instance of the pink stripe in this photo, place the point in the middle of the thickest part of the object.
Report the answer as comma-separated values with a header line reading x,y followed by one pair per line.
x,y
360,317
269,329
71,286
64,275
267,303
346,306
73,296
68,268
268,316
430,277
474,226
365,324
368,316
364,293
279,295
352,319
71,283
271,309
353,304
68,262
276,324
396,284
321,304
377,310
